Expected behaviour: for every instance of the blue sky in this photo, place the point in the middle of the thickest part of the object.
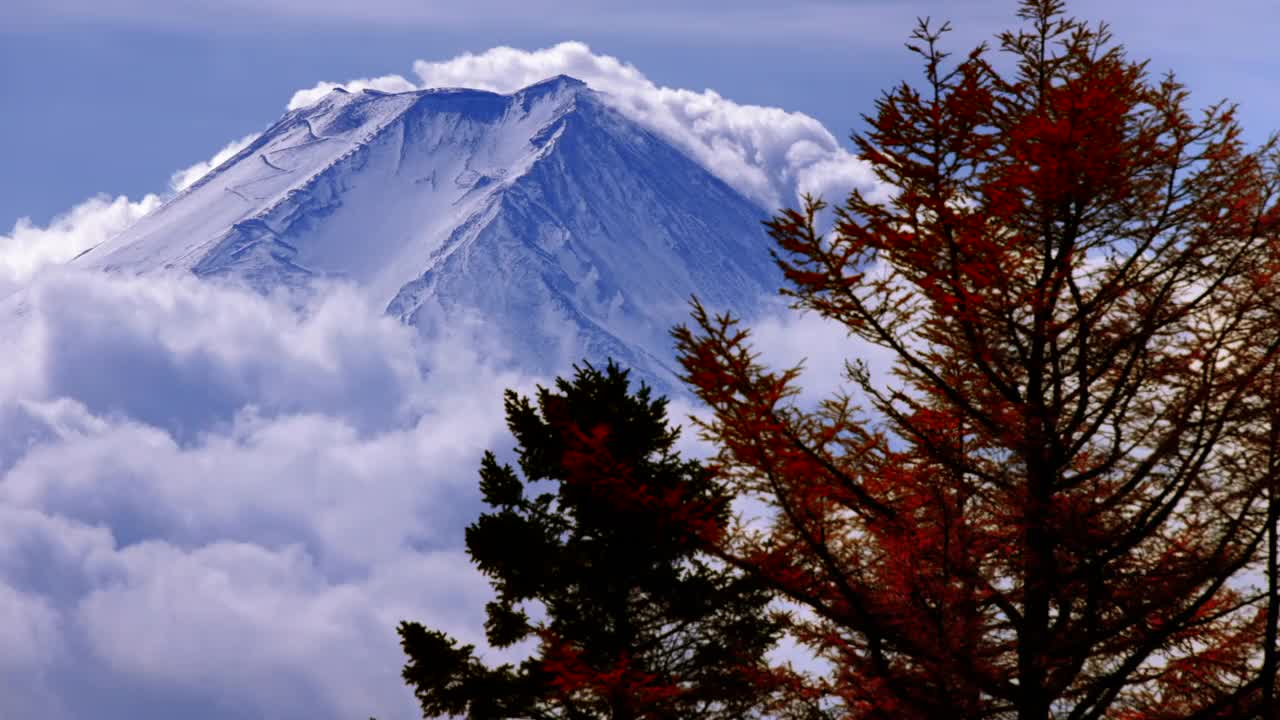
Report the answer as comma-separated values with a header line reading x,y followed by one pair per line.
x,y
112,96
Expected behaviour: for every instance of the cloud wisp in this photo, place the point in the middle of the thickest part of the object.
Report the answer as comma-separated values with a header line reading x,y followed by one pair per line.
x,y
188,176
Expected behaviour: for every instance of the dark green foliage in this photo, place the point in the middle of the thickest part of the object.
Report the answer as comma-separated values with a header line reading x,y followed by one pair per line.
x,y
603,535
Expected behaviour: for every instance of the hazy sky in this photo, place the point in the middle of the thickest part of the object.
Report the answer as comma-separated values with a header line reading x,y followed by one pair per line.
x,y
112,96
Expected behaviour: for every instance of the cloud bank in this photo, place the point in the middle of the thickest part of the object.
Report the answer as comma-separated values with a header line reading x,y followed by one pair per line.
x,y
208,494
215,504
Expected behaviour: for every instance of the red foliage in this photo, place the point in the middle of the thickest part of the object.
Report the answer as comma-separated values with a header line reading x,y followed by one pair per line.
x,y
590,466
1054,504
623,688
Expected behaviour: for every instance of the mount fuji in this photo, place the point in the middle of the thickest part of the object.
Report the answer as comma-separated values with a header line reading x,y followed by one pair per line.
x,y
544,216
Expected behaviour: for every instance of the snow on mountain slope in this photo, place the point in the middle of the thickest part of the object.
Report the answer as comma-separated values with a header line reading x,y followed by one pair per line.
x,y
554,220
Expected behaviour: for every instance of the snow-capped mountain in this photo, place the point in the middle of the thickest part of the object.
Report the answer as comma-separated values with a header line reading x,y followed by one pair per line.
x,y
534,213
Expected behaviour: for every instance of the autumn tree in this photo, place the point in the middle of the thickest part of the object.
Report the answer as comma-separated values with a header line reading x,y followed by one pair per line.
x,y
1059,500
601,541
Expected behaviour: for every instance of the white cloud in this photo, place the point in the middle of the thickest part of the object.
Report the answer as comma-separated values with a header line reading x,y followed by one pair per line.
x,y
765,152
29,248
29,634
185,354
386,83
784,338
187,177
205,493
215,504
265,627
769,154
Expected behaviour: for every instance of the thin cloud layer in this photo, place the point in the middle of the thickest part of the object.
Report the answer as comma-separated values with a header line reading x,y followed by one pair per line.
x,y
769,154
870,24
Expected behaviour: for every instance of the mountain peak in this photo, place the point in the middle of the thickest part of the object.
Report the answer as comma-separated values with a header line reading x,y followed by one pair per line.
x,y
560,87
554,85
560,80
430,199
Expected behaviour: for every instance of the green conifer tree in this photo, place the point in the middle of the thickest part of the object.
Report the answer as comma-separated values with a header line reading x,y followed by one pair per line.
x,y
604,536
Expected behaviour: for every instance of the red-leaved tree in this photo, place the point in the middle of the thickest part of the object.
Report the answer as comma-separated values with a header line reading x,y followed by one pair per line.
x,y
1060,502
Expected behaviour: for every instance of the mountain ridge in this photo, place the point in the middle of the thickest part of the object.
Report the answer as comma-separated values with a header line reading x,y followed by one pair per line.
x,y
594,225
